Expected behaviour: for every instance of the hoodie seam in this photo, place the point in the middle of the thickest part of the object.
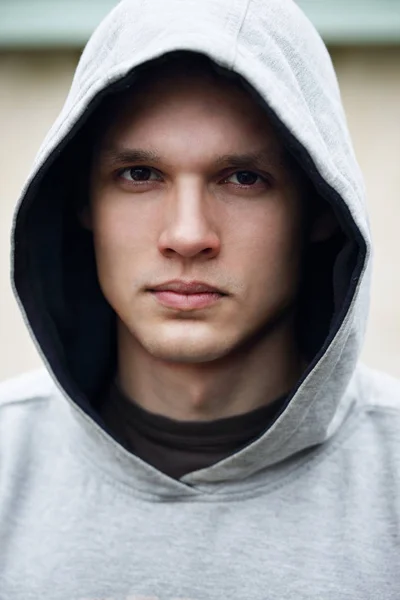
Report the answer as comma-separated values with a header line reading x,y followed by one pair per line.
x,y
376,408
24,401
243,20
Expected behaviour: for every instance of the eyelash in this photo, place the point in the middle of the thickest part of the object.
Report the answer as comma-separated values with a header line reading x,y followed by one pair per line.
x,y
120,172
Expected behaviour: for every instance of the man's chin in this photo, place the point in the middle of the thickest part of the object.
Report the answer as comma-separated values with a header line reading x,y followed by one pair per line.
x,y
187,342
185,353
193,345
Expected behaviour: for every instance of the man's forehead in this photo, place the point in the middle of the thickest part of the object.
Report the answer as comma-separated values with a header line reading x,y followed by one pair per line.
x,y
231,128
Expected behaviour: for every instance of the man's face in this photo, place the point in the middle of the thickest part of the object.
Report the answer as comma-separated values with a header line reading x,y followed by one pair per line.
x,y
190,184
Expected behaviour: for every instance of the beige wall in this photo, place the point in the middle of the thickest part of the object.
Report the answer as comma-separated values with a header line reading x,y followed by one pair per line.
x,y
370,84
32,89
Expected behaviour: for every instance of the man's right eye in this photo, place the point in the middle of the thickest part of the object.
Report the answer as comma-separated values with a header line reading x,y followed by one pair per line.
x,y
139,174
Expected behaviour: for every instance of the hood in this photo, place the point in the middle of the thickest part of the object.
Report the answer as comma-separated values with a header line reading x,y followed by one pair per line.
x,y
276,52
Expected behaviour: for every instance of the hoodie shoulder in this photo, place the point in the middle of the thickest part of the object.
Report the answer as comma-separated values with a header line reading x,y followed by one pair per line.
x,y
28,388
385,391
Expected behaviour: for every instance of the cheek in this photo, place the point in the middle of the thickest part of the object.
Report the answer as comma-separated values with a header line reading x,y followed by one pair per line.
x,y
266,259
267,239
270,265
121,225
123,233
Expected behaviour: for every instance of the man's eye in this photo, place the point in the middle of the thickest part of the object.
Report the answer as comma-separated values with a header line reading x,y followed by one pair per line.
x,y
244,178
139,174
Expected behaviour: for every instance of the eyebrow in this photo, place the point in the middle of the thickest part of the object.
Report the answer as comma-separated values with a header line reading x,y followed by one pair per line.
x,y
259,159
126,155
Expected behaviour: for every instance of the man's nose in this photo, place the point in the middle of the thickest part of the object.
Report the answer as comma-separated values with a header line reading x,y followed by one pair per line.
x,y
190,227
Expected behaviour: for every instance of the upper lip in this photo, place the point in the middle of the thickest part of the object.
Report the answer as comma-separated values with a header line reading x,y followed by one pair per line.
x,y
186,287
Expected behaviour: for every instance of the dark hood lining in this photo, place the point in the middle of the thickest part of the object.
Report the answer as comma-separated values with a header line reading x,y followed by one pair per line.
x,y
78,337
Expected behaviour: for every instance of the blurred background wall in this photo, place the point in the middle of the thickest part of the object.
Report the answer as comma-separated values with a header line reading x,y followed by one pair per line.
x,y
40,43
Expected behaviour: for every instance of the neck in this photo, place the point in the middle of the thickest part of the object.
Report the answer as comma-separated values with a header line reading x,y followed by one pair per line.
x,y
250,377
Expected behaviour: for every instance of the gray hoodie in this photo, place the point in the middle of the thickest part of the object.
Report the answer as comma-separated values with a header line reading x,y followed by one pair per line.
x,y
308,511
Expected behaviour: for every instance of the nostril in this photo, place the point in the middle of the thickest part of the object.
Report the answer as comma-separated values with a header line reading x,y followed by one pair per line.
x,y
169,252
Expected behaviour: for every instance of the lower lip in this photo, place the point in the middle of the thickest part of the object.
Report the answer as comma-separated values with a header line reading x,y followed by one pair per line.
x,y
186,301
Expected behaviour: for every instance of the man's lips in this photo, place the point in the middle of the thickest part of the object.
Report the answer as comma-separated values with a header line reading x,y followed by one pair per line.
x,y
186,287
186,295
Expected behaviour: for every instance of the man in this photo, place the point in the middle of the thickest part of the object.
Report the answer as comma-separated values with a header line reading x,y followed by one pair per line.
x,y
192,256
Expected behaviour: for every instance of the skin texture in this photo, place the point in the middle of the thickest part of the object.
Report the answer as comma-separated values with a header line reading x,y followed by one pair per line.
x,y
184,213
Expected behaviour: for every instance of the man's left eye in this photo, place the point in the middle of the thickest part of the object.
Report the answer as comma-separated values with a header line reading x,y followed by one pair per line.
x,y
244,178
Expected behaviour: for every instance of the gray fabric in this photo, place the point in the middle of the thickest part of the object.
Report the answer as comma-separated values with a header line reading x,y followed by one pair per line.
x,y
308,511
